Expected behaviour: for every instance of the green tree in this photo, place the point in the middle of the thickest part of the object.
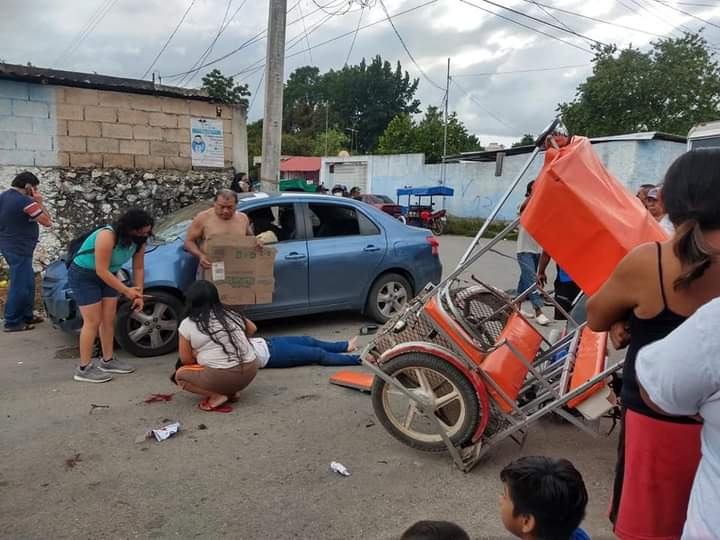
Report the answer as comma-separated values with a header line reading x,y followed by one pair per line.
x,y
673,86
254,135
526,140
403,135
365,97
336,141
224,88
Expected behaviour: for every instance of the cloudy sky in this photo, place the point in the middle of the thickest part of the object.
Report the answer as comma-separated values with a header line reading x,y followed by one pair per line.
x,y
507,79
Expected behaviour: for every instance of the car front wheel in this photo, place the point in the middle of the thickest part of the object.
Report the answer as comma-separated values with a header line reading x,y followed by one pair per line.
x,y
388,295
152,331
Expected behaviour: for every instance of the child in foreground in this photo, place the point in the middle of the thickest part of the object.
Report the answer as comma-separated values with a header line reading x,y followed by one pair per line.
x,y
435,530
543,499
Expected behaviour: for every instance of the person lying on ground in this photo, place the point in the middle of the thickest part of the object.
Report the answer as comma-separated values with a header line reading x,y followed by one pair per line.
x,y
543,499
435,530
96,287
690,391
217,358
294,351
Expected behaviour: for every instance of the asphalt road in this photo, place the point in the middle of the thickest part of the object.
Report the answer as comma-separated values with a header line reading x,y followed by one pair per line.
x,y
73,470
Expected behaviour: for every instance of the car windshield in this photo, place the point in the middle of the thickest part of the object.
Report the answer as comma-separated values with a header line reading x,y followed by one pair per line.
x,y
384,199
178,222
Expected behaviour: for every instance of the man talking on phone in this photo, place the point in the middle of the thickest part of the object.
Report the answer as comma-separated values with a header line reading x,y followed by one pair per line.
x,y
21,209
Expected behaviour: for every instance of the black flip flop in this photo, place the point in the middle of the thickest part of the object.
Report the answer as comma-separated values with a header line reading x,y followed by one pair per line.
x,y
24,328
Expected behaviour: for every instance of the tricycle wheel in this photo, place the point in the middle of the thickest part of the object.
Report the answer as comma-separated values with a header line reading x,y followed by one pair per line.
x,y
402,220
436,381
437,226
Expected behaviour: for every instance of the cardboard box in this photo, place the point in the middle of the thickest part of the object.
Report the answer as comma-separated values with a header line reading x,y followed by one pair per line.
x,y
243,274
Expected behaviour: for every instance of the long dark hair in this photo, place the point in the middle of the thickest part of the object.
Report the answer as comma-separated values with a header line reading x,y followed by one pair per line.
x,y
132,220
691,194
204,308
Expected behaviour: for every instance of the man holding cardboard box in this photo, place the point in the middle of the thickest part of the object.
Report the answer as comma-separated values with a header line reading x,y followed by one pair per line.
x,y
220,220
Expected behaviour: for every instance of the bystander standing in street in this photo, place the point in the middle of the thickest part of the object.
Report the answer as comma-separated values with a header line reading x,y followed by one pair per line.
x,y
528,256
95,287
221,219
653,290
355,193
240,183
21,209
643,191
656,207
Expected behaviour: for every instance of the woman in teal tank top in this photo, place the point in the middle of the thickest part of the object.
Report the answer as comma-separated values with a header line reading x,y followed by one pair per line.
x,y
95,288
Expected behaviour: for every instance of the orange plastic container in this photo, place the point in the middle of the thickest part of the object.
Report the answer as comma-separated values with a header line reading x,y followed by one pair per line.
x,y
506,369
583,217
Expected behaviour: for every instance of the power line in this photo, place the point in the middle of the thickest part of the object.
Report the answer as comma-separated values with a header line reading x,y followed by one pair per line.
x,y
402,42
492,73
482,107
254,67
556,19
551,25
87,29
595,19
527,26
669,6
223,26
357,28
257,89
307,39
169,39
254,39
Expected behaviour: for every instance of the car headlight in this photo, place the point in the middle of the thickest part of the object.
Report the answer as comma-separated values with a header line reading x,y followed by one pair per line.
x,y
123,275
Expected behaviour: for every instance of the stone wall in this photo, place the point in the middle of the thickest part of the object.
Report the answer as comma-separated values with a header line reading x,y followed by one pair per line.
x,y
43,125
82,198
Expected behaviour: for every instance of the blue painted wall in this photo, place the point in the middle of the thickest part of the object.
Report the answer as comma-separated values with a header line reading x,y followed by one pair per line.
x,y
28,124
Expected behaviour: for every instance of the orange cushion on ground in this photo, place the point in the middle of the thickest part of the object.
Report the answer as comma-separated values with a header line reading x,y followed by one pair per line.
x,y
583,217
506,369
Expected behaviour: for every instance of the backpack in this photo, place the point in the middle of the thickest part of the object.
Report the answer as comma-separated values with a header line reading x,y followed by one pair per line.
x,y
74,247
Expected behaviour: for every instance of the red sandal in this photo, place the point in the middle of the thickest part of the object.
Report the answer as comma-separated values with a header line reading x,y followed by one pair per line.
x,y
204,405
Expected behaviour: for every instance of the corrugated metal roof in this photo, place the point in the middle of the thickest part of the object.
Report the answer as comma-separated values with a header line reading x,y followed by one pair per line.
x,y
15,72
490,155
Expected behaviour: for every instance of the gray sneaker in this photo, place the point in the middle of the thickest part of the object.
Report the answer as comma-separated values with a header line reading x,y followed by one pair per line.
x,y
114,365
91,374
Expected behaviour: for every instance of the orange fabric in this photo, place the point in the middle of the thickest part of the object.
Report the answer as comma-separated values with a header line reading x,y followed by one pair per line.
x,y
583,217
506,369
589,361
190,367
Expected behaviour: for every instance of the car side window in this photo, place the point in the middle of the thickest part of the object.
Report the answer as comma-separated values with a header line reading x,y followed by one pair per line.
x,y
275,222
330,220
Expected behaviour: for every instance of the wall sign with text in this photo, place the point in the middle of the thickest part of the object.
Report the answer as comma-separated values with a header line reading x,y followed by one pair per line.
x,y
206,142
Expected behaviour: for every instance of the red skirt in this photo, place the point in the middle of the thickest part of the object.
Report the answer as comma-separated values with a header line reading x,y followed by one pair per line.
x,y
656,468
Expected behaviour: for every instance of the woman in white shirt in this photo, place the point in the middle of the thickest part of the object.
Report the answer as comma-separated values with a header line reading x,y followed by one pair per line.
x,y
217,359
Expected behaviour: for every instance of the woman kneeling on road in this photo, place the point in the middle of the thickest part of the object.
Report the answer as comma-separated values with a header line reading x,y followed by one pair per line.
x,y
217,358
95,288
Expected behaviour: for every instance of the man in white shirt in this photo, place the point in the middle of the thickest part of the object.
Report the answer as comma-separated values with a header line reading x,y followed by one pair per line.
x,y
680,375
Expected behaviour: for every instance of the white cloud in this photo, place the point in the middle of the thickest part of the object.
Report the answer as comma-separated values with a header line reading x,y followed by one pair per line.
x,y
130,35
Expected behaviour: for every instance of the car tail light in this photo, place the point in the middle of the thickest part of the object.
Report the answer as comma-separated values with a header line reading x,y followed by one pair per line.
x,y
434,244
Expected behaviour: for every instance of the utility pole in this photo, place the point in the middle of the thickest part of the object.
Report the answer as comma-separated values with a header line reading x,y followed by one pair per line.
x,y
445,127
274,78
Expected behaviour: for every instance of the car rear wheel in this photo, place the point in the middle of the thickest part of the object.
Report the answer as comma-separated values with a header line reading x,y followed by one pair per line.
x,y
153,331
388,295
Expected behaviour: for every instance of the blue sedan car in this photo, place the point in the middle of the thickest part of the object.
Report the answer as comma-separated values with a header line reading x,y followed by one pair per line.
x,y
333,254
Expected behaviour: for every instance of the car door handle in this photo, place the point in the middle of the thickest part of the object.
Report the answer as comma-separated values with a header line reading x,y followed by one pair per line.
x,y
371,248
294,256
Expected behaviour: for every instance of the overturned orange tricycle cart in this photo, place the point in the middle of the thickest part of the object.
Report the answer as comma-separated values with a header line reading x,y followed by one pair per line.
x,y
460,369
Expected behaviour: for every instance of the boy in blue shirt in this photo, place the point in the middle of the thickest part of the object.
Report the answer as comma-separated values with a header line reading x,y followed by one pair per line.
x,y
543,499
21,210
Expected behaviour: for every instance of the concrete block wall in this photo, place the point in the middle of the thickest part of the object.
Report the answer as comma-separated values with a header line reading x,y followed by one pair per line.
x,y
57,126
28,125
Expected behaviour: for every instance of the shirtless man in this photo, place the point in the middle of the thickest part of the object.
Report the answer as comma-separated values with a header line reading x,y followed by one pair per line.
x,y
220,219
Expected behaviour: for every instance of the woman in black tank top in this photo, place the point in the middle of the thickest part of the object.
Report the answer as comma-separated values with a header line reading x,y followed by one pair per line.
x,y
658,454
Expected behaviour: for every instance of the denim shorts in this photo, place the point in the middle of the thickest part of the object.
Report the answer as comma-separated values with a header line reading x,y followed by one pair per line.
x,y
87,287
